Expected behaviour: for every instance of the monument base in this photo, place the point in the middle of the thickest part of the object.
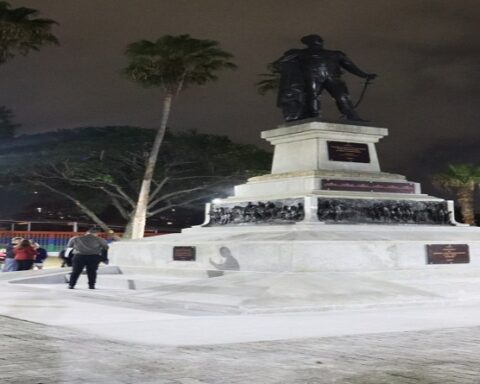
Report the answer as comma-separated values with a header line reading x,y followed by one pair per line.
x,y
305,267
301,247
326,227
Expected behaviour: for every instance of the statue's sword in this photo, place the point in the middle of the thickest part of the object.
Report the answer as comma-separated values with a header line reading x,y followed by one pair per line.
x,y
364,90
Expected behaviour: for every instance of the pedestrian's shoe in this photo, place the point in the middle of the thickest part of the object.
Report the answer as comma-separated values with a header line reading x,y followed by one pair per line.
x,y
71,287
91,287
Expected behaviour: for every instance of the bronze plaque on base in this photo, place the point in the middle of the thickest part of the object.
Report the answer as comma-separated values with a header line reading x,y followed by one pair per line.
x,y
367,186
184,253
351,152
448,254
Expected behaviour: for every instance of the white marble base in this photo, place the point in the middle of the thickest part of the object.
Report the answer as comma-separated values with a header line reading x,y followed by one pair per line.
x,y
299,247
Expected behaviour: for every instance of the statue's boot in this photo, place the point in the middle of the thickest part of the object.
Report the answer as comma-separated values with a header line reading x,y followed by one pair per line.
x,y
352,116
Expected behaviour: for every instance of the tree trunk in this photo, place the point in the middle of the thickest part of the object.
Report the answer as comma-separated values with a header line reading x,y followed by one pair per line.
x,y
127,232
140,216
465,197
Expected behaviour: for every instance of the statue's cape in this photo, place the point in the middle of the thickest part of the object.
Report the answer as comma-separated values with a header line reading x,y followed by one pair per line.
x,y
292,83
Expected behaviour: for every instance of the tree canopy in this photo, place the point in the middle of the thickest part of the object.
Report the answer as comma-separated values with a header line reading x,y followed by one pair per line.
x,y
461,179
21,31
175,62
101,169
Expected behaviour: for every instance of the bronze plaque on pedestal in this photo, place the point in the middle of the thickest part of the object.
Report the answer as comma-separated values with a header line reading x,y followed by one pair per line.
x,y
351,152
447,254
367,186
184,253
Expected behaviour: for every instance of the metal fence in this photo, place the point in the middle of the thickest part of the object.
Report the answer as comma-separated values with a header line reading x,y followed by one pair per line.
x,y
51,241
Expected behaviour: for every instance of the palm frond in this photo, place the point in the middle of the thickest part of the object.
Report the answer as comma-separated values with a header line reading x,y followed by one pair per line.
x,y
21,32
270,81
172,62
457,176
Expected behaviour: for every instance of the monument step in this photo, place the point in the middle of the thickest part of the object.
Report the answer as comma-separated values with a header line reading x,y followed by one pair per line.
x,y
324,173
329,194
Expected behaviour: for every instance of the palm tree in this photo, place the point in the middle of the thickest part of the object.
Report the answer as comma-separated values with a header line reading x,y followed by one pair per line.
x,y
270,80
462,179
21,32
170,63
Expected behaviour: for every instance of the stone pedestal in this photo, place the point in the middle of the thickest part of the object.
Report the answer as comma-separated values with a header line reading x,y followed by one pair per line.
x,y
325,158
311,146
331,173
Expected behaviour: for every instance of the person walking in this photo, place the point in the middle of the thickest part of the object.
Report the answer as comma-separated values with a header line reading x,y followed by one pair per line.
x,y
87,252
24,255
10,262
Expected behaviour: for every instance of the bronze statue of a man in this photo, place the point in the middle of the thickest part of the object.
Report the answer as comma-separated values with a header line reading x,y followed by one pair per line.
x,y
305,73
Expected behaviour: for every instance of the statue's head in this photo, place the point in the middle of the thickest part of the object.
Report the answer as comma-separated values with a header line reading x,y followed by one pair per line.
x,y
312,41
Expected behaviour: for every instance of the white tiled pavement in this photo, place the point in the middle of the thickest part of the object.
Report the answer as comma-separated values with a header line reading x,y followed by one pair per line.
x,y
53,335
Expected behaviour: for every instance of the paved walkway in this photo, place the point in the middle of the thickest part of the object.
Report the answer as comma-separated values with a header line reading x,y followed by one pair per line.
x,y
52,335
32,353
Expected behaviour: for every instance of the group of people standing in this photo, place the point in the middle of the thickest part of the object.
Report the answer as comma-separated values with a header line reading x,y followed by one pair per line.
x,y
88,251
23,254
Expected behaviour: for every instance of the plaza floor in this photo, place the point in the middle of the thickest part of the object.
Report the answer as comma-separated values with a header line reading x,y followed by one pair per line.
x,y
112,335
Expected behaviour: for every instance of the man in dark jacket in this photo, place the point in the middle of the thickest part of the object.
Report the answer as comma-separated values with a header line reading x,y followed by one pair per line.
x,y
87,252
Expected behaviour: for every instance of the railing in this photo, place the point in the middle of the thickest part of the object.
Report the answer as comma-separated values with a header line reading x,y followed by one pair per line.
x,y
51,241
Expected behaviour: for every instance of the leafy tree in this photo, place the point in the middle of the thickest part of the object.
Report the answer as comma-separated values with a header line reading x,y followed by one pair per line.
x,y
170,63
24,158
97,168
461,179
7,127
21,31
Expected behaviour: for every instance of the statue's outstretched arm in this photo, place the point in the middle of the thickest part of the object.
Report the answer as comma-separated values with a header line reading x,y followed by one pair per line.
x,y
349,66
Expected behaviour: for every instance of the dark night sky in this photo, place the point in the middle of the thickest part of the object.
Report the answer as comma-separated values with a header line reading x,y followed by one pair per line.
x,y
427,54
